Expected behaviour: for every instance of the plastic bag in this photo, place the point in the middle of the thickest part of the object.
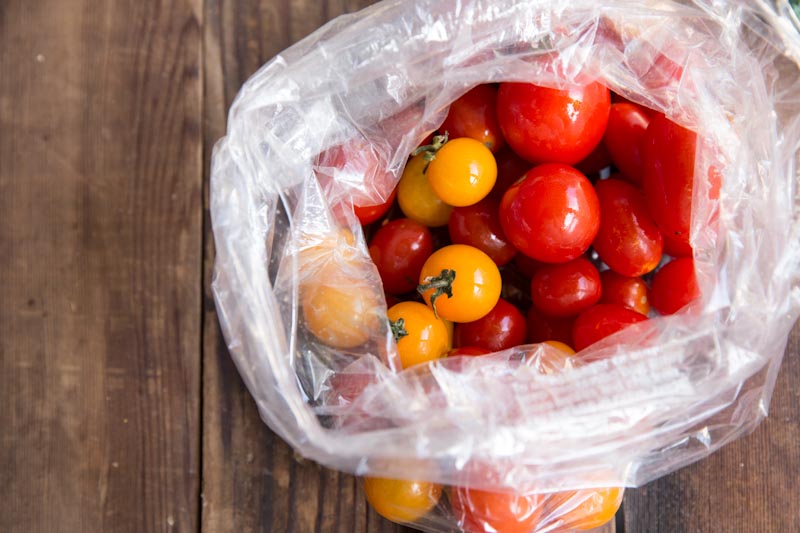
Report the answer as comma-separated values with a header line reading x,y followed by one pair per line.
x,y
332,120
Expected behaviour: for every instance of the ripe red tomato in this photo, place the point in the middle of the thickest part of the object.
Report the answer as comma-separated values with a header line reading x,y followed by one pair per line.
x,y
552,125
600,321
628,241
677,247
399,249
552,214
479,225
598,160
503,327
627,124
370,213
479,511
674,286
510,168
474,115
624,290
471,351
527,266
567,289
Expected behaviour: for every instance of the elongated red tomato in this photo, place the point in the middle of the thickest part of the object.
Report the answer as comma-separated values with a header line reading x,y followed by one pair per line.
x,y
399,249
600,321
624,290
503,327
474,115
624,136
479,225
628,241
552,125
567,289
552,214
674,286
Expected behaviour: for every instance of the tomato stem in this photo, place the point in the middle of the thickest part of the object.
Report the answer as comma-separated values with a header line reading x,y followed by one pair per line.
x,y
442,284
398,328
430,149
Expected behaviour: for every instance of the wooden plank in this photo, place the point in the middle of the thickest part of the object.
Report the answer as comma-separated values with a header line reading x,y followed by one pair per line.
x,y
750,485
252,481
101,239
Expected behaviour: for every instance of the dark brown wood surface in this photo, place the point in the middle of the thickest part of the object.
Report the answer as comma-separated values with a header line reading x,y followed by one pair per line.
x,y
120,408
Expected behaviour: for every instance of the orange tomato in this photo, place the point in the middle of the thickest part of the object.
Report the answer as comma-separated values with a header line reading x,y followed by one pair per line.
x,y
416,198
561,346
478,511
463,172
400,500
585,509
420,336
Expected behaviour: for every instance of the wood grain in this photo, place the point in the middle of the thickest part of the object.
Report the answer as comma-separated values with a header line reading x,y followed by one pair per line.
x,y
100,233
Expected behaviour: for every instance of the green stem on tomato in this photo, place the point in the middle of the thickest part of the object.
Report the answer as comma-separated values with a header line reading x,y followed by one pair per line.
x,y
441,284
398,328
430,149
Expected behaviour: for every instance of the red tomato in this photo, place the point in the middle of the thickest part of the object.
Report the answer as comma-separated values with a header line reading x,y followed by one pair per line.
x,y
510,168
552,214
677,247
503,327
629,241
370,213
479,225
600,321
543,328
567,289
674,286
479,511
551,125
399,249
526,265
624,290
596,161
627,124
471,351
474,115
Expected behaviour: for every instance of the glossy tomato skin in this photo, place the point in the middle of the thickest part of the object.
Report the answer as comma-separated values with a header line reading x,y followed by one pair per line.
x,y
552,214
674,286
502,328
478,511
510,168
399,249
566,289
627,124
627,291
479,225
628,241
677,247
416,198
401,500
474,115
425,336
551,125
370,213
463,172
470,351
586,509
543,328
600,321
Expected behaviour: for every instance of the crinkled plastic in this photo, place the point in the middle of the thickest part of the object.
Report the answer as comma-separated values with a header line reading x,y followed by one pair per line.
x,y
332,120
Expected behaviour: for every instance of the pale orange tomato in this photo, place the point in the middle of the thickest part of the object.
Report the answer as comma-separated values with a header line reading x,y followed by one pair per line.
x,y
585,509
416,198
401,500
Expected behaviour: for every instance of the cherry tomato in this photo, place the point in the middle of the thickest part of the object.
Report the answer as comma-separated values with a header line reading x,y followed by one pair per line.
x,y
552,214
460,283
527,266
674,286
399,249
451,328
416,198
677,247
552,125
566,348
629,241
600,321
479,511
471,351
474,115
567,289
401,500
585,509
627,124
595,162
503,327
370,213
543,328
420,336
510,168
479,225
624,290
463,172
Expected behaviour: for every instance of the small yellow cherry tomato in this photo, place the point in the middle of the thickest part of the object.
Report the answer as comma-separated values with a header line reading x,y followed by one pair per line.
x,y
585,509
400,500
416,198
420,336
561,346
463,172
450,331
460,283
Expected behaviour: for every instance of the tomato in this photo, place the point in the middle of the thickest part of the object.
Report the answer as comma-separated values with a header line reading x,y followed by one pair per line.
x,y
510,168
401,500
460,283
503,327
479,225
674,286
585,509
677,247
567,289
552,214
370,213
462,172
542,328
416,198
627,124
420,336
471,351
474,115
595,162
527,266
624,290
399,249
553,125
600,321
479,511
628,241
566,348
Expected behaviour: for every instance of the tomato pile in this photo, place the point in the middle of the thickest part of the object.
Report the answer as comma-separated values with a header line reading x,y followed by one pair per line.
x,y
532,215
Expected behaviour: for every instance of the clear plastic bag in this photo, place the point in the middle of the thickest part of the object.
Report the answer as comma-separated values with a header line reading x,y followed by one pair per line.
x,y
332,120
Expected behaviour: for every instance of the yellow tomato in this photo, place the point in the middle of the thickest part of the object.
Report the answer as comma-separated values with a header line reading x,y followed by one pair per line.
x,y
450,330
416,198
460,282
561,346
463,172
585,509
420,336
400,500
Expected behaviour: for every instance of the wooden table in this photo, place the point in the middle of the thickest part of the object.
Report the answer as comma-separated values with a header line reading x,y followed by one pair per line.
x,y
119,406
